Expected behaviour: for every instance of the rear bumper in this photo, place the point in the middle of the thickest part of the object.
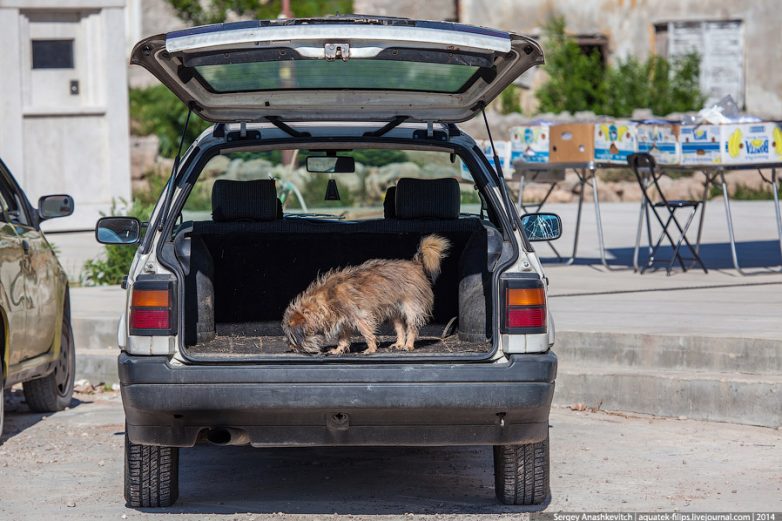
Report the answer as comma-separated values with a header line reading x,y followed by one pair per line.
x,y
340,404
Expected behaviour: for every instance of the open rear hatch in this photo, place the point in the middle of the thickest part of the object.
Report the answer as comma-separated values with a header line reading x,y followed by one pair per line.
x,y
345,68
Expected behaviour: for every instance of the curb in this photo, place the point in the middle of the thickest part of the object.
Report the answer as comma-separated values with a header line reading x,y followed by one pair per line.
x,y
705,378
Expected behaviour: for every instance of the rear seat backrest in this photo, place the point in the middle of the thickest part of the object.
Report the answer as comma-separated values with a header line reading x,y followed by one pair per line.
x,y
427,198
245,201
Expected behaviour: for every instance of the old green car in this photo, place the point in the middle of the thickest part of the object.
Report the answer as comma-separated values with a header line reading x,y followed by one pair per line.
x,y
35,328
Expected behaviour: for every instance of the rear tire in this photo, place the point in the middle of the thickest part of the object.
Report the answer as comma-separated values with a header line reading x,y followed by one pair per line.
x,y
521,473
151,475
53,392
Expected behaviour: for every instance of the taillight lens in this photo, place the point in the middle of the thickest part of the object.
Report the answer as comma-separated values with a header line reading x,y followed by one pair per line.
x,y
152,308
524,306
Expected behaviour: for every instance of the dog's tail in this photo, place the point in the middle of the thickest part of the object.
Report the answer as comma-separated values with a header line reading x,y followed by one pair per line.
x,y
431,251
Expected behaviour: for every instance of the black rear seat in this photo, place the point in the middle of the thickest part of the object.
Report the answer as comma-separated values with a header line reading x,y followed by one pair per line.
x,y
261,262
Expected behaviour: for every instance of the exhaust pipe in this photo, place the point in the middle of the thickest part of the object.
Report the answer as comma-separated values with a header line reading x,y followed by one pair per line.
x,y
227,436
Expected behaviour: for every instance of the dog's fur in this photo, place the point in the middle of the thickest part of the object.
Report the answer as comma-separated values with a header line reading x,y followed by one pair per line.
x,y
360,298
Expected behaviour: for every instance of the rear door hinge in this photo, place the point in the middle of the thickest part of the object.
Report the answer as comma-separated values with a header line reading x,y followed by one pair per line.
x,y
334,51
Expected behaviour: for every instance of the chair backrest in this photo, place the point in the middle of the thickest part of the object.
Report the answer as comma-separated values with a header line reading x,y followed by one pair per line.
x,y
646,173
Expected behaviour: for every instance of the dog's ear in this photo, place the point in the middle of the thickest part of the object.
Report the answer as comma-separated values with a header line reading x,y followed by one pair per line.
x,y
296,319
296,327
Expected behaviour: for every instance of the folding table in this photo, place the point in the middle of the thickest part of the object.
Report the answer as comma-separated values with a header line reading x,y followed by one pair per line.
x,y
714,172
586,173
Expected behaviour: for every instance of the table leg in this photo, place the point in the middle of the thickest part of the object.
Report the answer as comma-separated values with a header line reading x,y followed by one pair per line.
x,y
582,182
599,220
637,249
706,186
775,189
729,217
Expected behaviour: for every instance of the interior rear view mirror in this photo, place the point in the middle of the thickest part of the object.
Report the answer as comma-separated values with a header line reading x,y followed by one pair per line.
x,y
118,230
330,165
53,206
541,226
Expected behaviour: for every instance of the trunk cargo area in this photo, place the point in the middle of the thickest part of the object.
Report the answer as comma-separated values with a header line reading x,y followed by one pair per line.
x,y
242,275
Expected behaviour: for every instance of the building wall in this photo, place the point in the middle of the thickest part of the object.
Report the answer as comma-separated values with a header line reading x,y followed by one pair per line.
x,y
629,25
148,18
424,10
54,138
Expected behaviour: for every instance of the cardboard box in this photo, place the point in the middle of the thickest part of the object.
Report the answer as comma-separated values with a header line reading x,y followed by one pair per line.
x,y
731,144
747,143
700,144
529,143
572,143
776,143
615,140
661,140
503,152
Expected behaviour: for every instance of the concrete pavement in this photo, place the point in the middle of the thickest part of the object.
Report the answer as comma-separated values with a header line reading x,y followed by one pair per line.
x,y
69,465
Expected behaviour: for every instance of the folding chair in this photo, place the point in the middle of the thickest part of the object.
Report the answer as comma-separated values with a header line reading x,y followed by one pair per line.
x,y
645,169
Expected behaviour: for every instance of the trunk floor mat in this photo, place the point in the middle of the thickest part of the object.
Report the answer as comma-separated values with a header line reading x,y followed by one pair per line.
x,y
249,340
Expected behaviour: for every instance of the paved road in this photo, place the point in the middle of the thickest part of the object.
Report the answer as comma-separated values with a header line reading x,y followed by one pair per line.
x,y
600,461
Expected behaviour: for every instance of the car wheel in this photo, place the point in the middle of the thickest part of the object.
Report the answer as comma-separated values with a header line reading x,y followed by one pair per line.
x,y
151,475
53,392
521,473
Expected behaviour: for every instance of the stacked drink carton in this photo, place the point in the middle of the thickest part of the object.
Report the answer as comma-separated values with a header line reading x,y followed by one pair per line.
x,y
671,143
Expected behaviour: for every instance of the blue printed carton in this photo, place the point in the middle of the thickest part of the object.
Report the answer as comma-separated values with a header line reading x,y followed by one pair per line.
x,y
530,143
615,140
729,144
661,140
700,144
748,143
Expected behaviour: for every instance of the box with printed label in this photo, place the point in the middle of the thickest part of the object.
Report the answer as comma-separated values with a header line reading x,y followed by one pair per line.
x,y
661,140
776,143
572,143
529,143
700,144
503,152
615,140
747,143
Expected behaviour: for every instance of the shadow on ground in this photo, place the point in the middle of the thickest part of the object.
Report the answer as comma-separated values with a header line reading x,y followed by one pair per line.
x,y
716,256
18,416
342,480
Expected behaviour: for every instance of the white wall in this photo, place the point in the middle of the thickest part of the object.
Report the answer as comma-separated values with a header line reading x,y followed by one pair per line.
x,y
79,144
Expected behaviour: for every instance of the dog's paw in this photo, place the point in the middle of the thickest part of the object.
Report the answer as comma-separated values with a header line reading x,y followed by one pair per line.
x,y
397,345
337,350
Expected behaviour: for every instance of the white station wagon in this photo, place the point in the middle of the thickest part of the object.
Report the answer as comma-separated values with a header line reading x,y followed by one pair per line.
x,y
371,106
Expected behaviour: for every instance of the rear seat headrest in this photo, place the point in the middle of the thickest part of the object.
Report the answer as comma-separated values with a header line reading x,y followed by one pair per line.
x,y
427,198
245,200
389,203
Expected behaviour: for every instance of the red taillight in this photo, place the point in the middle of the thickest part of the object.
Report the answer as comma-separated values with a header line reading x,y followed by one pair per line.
x,y
524,306
149,319
152,308
530,317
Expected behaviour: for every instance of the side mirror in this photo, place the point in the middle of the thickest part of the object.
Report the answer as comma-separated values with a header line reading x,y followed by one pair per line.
x,y
331,165
118,230
54,206
541,226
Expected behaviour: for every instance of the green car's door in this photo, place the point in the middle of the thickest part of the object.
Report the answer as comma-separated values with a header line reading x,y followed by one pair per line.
x,y
14,263
39,269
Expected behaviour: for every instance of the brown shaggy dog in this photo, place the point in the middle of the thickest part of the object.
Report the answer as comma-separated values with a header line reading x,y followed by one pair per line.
x,y
360,298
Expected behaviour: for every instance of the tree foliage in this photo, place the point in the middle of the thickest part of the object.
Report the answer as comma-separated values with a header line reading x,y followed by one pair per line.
x,y
199,12
579,80
156,110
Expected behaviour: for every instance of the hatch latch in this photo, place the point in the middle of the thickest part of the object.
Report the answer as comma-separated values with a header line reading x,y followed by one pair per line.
x,y
334,51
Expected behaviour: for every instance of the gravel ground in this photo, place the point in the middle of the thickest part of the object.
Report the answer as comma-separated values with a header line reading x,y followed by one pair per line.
x,y
69,466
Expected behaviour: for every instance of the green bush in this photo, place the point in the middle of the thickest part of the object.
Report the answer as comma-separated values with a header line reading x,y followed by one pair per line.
x,y
114,265
510,100
156,110
580,81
